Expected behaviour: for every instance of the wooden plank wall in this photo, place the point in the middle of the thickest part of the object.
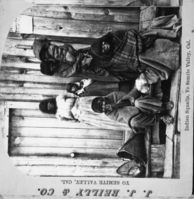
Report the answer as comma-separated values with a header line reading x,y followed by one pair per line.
x,y
20,75
40,145
35,138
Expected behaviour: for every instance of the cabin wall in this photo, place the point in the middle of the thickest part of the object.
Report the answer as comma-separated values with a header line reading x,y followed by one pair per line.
x,y
37,143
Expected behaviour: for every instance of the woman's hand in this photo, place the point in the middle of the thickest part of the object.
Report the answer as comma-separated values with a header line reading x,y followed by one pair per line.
x,y
86,60
80,91
86,82
83,84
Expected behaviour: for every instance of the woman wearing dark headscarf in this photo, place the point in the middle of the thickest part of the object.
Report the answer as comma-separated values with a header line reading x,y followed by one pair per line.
x,y
130,51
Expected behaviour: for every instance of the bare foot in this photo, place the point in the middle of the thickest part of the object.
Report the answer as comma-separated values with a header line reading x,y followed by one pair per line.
x,y
167,119
168,105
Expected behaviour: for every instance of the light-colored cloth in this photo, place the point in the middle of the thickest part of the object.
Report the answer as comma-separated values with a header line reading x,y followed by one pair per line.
x,y
64,106
161,59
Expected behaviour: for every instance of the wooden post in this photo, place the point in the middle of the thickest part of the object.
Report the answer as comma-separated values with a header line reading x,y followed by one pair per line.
x,y
176,169
148,140
170,129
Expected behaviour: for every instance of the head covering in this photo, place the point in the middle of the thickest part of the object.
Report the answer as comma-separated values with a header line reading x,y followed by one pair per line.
x,y
96,46
43,106
45,68
95,105
71,87
37,46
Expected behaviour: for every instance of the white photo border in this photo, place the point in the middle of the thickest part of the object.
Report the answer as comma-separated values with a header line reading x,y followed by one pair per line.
x,y
16,184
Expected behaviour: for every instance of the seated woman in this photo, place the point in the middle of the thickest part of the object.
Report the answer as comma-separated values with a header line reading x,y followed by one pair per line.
x,y
151,52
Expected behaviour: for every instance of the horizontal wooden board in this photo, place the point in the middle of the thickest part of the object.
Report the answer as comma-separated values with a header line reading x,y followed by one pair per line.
x,y
45,78
63,133
76,28
46,122
13,70
71,40
106,18
31,91
111,3
22,84
30,113
84,10
22,97
52,123
64,152
39,97
23,105
64,142
128,11
47,160
40,91
34,78
68,171
12,84
95,87
19,62
11,48
130,15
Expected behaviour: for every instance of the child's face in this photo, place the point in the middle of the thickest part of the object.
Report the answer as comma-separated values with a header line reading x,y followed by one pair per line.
x,y
50,106
103,105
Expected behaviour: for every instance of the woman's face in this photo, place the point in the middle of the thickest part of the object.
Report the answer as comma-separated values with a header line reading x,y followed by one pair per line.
x,y
105,47
45,55
52,66
50,106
